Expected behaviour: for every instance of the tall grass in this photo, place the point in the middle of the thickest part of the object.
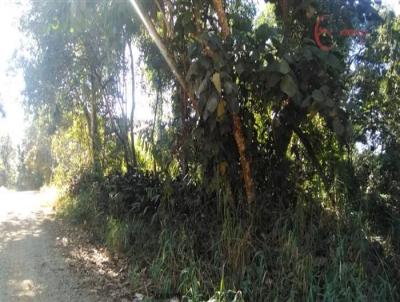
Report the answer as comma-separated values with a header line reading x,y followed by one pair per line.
x,y
308,252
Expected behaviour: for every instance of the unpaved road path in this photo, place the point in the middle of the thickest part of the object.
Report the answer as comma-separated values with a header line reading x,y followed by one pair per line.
x,y
31,268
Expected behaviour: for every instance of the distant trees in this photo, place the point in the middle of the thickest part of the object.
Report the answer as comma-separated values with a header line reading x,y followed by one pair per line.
x,y
80,69
35,159
375,97
7,162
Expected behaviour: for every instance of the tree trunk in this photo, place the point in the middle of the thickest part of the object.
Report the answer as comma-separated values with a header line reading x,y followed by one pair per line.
x,y
184,132
222,19
94,129
132,121
153,130
237,123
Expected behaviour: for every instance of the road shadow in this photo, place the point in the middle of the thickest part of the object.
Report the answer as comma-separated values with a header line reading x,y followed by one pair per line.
x,y
31,268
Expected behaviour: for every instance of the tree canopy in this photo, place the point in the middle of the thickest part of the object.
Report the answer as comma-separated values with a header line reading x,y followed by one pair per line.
x,y
278,163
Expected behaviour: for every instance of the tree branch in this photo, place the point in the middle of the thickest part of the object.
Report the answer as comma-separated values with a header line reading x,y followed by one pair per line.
x,y
222,19
164,51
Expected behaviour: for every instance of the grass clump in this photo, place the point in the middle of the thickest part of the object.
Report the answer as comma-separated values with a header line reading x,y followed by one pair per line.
x,y
185,242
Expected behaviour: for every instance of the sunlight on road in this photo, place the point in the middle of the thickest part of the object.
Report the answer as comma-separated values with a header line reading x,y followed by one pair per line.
x,y
30,270
25,288
19,213
20,217
25,204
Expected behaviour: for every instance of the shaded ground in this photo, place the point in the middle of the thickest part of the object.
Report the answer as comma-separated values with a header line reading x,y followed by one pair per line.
x,y
104,273
31,268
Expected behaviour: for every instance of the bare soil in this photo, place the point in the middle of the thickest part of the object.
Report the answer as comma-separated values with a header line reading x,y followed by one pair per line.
x,y
42,259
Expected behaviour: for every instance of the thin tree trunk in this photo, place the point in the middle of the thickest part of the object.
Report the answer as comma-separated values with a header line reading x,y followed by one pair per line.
x,y
87,116
310,151
120,133
153,130
94,127
184,115
132,121
124,127
237,123
164,51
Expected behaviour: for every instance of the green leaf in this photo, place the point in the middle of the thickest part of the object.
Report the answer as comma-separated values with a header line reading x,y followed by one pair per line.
x,y
262,32
325,90
212,103
318,96
330,103
228,87
216,79
219,61
221,109
186,18
289,86
281,67
189,28
309,41
203,84
306,102
284,67
307,53
290,59
333,61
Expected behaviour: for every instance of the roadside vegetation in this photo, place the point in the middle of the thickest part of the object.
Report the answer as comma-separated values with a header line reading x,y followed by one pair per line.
x,y
270,168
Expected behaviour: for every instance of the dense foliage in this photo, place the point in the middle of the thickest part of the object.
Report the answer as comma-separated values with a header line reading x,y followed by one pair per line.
x,y
274,177
7,155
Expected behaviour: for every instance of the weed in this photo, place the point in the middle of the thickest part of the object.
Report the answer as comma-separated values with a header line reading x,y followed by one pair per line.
x,y
310,252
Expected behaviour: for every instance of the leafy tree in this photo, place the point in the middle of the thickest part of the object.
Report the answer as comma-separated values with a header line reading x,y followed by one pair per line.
x,y
35,158
374,102
79,66
279,73
7,161
259,159
375,92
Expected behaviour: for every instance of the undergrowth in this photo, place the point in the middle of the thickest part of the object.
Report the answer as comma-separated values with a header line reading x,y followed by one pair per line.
x,y
187,243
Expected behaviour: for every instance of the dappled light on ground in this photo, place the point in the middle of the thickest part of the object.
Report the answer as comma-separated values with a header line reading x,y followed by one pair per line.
x,y
94,262
31,269
21,229
24,288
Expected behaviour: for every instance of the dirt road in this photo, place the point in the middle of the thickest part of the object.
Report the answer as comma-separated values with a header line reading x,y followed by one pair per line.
x,y
31,268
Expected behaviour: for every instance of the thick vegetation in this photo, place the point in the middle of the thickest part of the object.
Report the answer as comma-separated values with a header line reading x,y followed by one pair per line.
x,y
270,170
